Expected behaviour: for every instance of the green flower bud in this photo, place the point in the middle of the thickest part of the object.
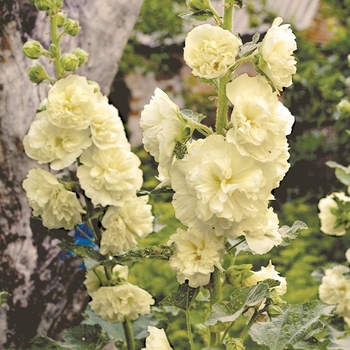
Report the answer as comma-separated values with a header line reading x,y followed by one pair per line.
x,y
59,3
274,310
198,5
69,62
37,74
43,5
235,344
60,19
71,26
33,49
53,50
82,55
235,275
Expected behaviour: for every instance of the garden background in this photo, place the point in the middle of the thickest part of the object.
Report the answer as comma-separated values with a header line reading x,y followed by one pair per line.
x,y
153,57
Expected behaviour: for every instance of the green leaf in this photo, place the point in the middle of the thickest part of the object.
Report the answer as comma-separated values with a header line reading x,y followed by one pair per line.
x,y
198,16
294,329
113,330
289,233
84,336
249,47
341,172
241,299
182,298
41,342
90,263
3,297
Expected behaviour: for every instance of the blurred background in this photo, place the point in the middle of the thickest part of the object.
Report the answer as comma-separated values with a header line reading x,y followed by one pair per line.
x,y
149,56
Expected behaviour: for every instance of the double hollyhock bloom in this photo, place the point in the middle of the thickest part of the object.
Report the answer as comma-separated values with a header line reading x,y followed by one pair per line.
x,y
223,183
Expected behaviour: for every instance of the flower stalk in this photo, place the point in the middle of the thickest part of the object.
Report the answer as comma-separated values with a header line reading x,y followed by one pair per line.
x,y
56,44
129,335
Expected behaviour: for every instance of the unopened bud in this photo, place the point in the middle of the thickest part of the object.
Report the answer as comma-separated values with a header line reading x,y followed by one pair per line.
x,y
43,5
59,3
198,5
33,49
37,74
53,50
235,344
60,19
274,310
82,55
71,26
69,62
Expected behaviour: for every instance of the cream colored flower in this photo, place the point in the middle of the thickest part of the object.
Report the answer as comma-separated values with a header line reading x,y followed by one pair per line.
x,y
197,253
210,51
107,129
216,187
96,277
260,121
162,124
124,224
48,143
335,289
109,177
261,232
121,302
265,273
156,340
327,218
49,199
71,102
276,50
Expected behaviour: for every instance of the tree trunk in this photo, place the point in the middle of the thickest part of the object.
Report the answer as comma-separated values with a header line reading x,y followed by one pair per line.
x,y
47,293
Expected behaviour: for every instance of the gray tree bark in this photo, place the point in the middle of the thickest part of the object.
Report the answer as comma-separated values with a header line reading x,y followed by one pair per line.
x,y
47,294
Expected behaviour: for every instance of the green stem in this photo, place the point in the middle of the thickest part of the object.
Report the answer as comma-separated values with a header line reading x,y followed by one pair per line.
x,y
215,297
56,43
84,234
129,335
216,15
221,116
189,330
249,325
237,244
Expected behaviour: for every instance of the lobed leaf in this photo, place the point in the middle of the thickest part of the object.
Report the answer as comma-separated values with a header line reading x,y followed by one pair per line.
x,y
182,298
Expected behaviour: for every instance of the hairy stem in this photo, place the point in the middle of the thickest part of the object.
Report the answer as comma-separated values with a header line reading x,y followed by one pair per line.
x,y
56,43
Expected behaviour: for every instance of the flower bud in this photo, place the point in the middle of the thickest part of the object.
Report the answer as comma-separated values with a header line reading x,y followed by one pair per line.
x,y
69,62
60,19
33,49
198,5
274,310
82,55
235,275
53,50
71,26
37,74
235,344
43,5
59,3
343,107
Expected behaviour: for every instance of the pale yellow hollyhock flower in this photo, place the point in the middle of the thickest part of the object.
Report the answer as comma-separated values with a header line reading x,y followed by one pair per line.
x,y
197,254
111,176
216,187
125,223
94,277
261,231
107,129
335,289
48,143
121,302
276,50
49,199
260,122
210,51
267,272
327,218
71,102
156,340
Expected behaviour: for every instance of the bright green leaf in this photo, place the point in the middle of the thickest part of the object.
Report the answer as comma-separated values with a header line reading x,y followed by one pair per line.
x,y
198,16
241,299
294,328
41,342
182,298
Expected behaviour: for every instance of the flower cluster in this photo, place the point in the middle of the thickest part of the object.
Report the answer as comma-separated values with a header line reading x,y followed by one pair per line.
x,y
223,182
